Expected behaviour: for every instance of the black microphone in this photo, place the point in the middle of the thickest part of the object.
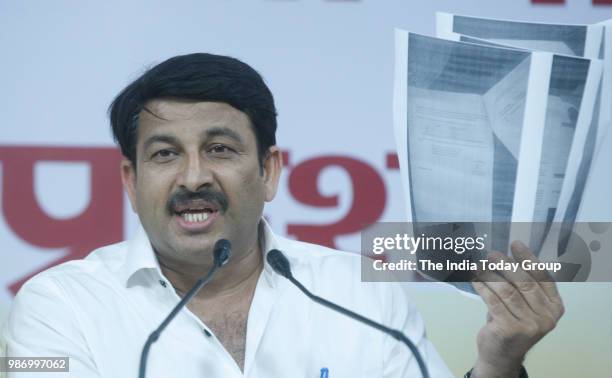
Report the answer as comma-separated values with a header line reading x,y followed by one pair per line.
x,y
281,265
221,253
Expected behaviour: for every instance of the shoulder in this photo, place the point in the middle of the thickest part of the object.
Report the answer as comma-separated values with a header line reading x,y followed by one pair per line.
x,y
48,314
83,274
304,254
336,274
322,265
57,299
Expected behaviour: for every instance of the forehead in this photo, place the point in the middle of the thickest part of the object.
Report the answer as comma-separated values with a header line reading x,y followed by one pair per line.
x,y
190,117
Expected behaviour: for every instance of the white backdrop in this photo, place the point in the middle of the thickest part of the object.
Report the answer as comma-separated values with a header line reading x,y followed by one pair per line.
x,y
328,63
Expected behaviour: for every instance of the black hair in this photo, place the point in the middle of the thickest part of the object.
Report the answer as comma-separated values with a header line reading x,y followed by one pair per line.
x,y
198,77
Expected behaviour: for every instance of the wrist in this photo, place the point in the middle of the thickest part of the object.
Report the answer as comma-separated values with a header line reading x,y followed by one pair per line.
x,y
486,369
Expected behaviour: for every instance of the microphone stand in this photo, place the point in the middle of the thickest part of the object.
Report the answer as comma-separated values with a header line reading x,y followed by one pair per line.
x,y
221,254
398,335
281,265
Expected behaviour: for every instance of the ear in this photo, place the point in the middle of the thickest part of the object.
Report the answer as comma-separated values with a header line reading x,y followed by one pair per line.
x,y
273,165
128,178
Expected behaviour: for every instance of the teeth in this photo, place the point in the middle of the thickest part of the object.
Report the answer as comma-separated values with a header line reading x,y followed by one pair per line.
x,y
195,217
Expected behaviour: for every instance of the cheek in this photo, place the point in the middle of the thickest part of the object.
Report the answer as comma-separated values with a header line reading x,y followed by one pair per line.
x,y
152,194
246,189
255,184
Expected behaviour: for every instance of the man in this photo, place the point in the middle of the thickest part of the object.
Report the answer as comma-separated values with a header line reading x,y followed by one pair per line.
x,y
198,134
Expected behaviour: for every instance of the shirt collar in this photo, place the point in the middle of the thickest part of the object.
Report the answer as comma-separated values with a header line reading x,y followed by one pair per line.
x,y
141,257
269,241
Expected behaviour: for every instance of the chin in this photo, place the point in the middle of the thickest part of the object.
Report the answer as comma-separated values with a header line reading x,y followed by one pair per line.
x,y
193,247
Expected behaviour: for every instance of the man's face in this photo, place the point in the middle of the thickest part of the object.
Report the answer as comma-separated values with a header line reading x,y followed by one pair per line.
x,y
198,179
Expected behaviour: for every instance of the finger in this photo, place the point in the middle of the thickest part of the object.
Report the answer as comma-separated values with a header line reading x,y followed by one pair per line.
x,y
497,308
507,294
521,252
531,291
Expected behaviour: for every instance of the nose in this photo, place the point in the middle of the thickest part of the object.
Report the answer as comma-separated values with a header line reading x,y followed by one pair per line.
x,y
195,173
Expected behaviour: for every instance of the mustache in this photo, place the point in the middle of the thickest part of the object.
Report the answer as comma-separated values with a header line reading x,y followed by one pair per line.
x,y
184,197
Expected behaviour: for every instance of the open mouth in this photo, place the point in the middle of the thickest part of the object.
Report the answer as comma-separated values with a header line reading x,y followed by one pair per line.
x,y
196,215
196,212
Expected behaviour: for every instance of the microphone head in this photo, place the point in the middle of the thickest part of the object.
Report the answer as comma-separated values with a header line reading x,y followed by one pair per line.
x,y
221,252
279,263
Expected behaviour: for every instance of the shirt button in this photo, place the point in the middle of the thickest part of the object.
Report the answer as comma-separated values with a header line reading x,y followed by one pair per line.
x,y
206,332
163,283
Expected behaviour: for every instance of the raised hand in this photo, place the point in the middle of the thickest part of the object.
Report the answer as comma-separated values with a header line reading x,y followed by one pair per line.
x,y
523,306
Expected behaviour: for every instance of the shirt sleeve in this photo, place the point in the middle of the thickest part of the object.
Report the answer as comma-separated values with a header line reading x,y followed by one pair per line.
x,y
399,360
42,323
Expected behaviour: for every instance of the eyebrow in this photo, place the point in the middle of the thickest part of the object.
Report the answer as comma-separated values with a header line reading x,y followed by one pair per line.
x,y
210,133
159,139
224,131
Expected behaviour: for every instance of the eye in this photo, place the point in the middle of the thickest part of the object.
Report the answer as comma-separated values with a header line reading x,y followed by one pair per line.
x,y
221,150
163,155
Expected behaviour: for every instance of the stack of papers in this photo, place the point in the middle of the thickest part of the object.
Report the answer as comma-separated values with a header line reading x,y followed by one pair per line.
x,y
500,121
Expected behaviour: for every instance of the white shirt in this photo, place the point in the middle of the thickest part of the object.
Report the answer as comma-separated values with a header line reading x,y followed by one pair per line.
x,y
99,311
